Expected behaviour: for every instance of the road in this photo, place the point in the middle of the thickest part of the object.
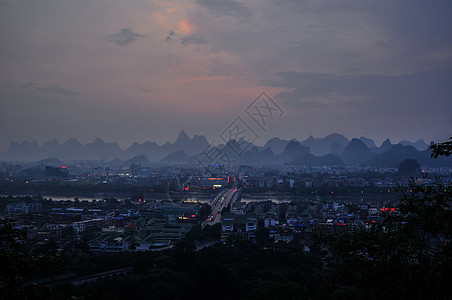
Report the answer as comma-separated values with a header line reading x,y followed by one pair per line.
x,y
222,200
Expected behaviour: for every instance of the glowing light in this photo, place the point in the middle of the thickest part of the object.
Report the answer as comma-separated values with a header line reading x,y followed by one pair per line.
x,y
63,167
388,209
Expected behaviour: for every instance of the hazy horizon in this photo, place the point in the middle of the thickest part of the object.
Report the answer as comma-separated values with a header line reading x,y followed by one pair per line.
x,y
143,70
258,142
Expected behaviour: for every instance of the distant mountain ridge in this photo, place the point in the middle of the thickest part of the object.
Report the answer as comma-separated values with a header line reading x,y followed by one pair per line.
x,y
356,152
334,149
72,149
322,146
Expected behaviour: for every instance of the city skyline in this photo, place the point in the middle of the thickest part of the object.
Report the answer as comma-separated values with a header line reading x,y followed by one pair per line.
x,y
144,70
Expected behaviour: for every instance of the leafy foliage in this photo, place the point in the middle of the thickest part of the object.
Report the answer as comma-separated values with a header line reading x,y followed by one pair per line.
x,y
408,251
440,149
16,266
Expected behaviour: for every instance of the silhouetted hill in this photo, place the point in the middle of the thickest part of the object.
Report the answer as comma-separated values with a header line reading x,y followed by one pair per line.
x,y
356,152
398,153
336,149
276,144
138,160
117,163
51,148
52,162
190,145
409,167
71,149
322,146
23,151
385,146
275,150
293,151
394,156
442,161
101,150
420,145
232,150
255,156
32,173
368,142
177,157
150,149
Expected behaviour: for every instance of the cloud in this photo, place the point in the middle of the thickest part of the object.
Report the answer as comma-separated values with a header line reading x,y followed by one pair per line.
x,y
405,29
27,85
333,48
170,36
186,27
192,39
147,90
124,37
53,89
406,92
229,8
417,28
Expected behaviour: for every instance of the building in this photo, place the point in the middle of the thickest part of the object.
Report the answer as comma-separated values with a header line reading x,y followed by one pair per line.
x,y
22,207
81,226
212,182
56,173
239,225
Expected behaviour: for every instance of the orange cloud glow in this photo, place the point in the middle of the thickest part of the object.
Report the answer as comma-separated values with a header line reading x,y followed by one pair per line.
x,y
186,27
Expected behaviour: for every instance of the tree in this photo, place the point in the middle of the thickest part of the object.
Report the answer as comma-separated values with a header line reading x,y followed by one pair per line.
x,y
16,266
204,211
409,167
444,148
13,264
409,250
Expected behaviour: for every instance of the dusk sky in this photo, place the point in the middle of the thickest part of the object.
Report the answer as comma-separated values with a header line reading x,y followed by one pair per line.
x,y
141,70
